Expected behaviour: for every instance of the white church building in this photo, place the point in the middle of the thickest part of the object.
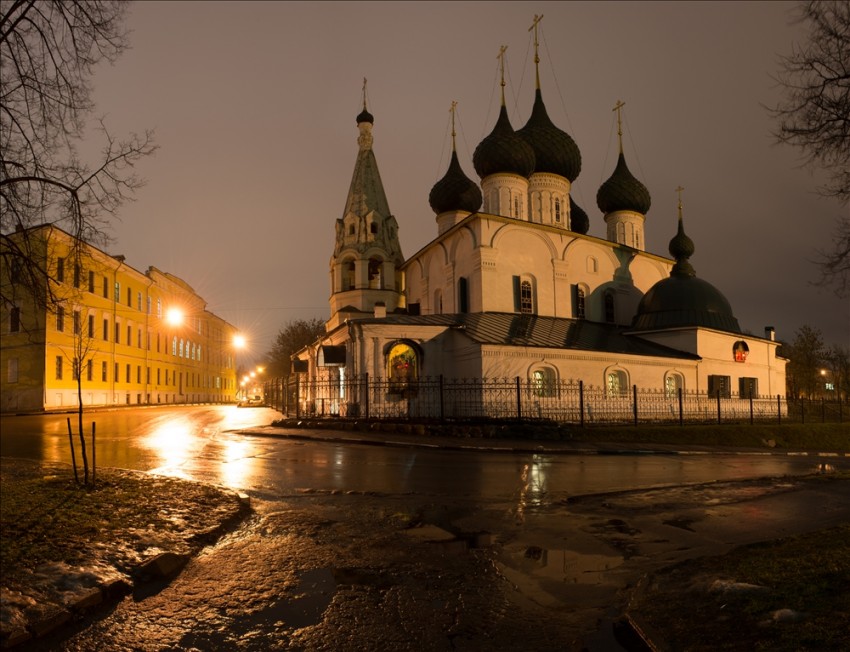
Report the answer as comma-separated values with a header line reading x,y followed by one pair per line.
x,y
513,287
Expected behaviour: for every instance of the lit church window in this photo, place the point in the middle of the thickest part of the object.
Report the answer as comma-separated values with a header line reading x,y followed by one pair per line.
x,y
402,367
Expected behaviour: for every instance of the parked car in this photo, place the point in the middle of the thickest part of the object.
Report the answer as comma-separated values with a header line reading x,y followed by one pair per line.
x,y
251,401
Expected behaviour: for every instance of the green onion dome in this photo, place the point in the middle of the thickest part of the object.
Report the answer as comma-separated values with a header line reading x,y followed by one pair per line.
x,y
622,192
554,150
579,221
365,116
503,151
455,191
682,299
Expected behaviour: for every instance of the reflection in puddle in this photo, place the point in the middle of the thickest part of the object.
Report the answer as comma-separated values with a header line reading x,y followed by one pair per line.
x,y
567,565
238,465
171,442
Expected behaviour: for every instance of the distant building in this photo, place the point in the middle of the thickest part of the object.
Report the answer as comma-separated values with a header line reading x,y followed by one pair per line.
x,y
513,287
135,338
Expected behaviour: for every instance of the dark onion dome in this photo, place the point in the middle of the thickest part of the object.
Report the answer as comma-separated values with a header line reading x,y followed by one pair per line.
x,y
579,221
365,116
455,191
682,299
554,150
622,192
503,151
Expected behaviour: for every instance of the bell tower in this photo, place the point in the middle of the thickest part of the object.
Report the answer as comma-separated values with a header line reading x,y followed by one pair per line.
x,y
364,266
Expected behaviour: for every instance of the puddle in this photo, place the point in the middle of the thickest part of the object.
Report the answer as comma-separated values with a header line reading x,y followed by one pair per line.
x,y
566,565
311,596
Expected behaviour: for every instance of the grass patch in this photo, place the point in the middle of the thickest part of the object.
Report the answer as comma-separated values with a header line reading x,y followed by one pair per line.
x,y
809,575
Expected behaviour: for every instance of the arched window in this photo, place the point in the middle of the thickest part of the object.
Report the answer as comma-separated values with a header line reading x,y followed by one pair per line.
x,y
558,211
621,233
616,383
673,382
174,346
517,208
592,265
609,307
543,382
402,368
373,227
438,301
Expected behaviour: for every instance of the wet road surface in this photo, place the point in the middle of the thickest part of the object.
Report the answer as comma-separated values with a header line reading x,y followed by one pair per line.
x,y
373,548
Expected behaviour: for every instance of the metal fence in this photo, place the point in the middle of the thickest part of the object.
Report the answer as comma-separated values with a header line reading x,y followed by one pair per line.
x,y
440,398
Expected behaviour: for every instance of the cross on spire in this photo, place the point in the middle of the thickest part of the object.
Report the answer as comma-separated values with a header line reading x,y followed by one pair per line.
x,y
679,190
364,93
537,19
501,58
617,107
452,111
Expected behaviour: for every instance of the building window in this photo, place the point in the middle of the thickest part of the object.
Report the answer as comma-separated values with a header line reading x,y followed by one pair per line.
x,y
373,228
349,282
139,339
139,301
350,229
127,374
12,370
105,288
616,383
91,327
148,376
581,303
78,326
15,271
60,270
15,320
78,272
719,385
609,307
517,208
523,295
117,333
375,280
740,351
180,350
543,382
592,265
117,292
673,382
526,302
60,318
105,330
463,294
748,387
89,370
75,369
159,307
58,367
138,374
158,376
558,211
103,372
115,375
91,282
149,304
129,298
174,346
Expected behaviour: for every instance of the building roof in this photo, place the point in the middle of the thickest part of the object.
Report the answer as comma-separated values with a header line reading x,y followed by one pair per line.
x,y
512,329
554,150
623,192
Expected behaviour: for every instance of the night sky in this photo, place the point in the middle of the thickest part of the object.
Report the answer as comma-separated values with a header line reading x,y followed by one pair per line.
x,y
254,108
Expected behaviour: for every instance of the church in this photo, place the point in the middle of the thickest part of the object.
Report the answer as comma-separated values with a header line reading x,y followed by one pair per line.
x,y
513,287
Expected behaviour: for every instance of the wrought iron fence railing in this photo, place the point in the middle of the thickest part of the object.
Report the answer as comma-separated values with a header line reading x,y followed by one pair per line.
x,y
438,398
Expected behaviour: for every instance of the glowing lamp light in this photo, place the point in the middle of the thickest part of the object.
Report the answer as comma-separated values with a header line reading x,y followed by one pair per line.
x,y
239,341
174,316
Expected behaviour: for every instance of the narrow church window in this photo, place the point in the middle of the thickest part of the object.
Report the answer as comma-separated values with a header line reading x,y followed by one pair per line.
x,y
438,302
517,208
580,303
375,281
526,303
349,276
621,233
558,211
609,307
463,294
592,265
350,229
373,228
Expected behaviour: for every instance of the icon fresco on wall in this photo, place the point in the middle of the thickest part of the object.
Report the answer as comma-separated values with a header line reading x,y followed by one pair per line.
x,y
740,351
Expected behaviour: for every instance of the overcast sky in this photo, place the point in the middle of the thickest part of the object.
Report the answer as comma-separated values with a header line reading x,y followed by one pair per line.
x,y
254,109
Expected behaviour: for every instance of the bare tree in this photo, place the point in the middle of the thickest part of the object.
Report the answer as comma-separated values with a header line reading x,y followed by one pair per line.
x,y
295,335
48,53
814,116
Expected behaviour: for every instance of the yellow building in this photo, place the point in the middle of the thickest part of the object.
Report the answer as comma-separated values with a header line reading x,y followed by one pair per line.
x,y
133,338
